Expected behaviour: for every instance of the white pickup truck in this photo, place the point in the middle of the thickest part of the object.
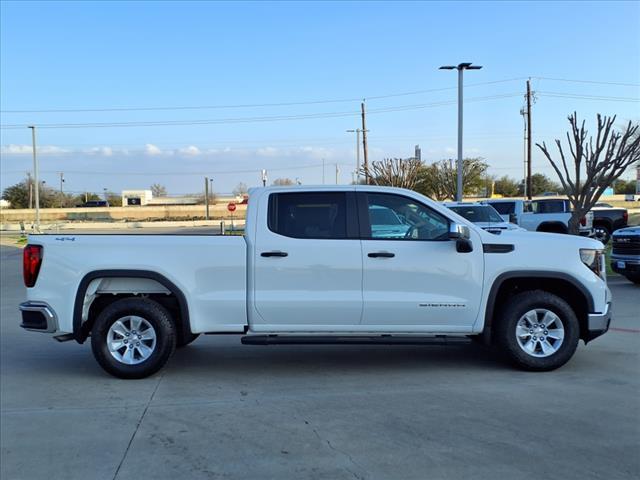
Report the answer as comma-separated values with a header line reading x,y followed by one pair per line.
x,y
541,215
313,267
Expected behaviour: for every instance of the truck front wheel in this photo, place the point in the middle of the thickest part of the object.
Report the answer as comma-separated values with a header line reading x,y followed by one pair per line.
x,y
538,331
133,338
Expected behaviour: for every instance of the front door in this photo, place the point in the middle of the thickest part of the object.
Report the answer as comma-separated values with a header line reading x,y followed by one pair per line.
x,y
308,263
413,277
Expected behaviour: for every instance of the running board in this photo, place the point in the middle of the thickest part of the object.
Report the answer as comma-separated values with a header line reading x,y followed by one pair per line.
x,y
353,340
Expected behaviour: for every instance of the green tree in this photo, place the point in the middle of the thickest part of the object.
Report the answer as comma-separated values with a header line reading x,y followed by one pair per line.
x,y
114,199
622,186
506,186
439,180
540,184
18,195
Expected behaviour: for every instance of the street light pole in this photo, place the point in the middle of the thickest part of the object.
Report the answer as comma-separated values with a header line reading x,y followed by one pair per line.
x,y
461,68
36,188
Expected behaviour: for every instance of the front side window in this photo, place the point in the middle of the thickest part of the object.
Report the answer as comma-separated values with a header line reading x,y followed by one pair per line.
x,y
320,215
394,217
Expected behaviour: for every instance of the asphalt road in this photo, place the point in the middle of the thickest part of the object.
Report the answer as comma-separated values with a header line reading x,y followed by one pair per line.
x,y
223,410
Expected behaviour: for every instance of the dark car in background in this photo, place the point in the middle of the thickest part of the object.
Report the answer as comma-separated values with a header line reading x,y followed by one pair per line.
x,y
625,254
607,220
96,203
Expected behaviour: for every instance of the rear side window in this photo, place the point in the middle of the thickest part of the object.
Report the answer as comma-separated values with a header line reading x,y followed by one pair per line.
x,y
321,215
504,208
548,206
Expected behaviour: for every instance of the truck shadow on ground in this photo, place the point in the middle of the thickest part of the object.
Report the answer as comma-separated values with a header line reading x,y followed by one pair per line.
x,y
201,357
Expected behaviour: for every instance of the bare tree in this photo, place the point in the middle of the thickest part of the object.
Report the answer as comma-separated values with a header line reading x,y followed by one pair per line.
x,y
241,189
395,172
158,190
283,182
593,166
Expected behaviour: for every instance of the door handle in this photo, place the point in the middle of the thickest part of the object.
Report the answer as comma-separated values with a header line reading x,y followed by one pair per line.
x,y
274,254
382,255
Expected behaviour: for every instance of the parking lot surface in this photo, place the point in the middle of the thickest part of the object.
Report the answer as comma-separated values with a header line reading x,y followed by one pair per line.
x,y
223,410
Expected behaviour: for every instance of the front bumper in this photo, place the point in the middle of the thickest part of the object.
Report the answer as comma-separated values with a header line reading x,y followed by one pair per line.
x,y
38,317
625,265
598,323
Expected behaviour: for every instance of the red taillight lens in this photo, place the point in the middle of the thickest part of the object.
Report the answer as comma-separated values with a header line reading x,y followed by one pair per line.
x,y
583,221
31,261
625,217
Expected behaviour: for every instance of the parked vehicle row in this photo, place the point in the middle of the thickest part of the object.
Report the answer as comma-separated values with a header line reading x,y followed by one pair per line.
x,y
541,215
357,264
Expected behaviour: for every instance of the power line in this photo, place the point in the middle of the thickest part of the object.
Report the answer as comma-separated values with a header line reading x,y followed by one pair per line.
x,y
253,119
593,82
250,105
577,96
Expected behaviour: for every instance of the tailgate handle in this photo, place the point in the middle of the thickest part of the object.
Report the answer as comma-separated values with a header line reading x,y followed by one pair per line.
x,y
382,255
274,254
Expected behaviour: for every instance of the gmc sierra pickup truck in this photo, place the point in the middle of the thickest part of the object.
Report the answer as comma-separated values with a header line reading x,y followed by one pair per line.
x,y
320,265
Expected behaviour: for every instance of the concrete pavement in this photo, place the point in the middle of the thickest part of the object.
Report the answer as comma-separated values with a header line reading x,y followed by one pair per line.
x,y
223,410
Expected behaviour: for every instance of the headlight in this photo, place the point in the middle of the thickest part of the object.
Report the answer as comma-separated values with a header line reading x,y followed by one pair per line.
x,y
594,259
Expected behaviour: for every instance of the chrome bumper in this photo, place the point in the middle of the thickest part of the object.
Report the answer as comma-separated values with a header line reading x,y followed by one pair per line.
x,y
38,317
599,323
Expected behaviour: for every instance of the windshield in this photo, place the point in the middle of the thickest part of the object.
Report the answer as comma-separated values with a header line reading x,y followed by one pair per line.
x,y
478,213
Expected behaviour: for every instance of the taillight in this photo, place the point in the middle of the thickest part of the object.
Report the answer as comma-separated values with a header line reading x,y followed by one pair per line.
x,y
31,261
625,217
583,221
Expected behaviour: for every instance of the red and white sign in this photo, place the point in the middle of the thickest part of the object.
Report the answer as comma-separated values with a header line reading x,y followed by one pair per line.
x,y
231,207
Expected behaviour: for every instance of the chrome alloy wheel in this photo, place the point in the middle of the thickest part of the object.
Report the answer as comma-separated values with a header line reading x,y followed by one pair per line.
x,y
540,332
131,340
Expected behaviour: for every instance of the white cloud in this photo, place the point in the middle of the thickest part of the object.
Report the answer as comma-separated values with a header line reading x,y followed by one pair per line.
x,y
268,152
152,150
191,151
13,149
103,151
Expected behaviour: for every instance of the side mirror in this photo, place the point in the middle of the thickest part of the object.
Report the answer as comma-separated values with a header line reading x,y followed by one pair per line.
x,y
461,234
457,231
513,218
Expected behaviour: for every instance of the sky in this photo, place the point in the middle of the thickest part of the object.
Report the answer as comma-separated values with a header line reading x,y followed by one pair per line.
x,y
184,90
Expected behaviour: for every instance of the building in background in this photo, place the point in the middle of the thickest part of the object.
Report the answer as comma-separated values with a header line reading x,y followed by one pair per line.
x,y
131,198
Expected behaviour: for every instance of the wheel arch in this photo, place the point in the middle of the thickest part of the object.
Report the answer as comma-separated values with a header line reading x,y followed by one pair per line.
x,y
80,334
562,284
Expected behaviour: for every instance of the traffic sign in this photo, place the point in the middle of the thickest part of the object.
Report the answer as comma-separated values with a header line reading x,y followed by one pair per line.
x,y
231,207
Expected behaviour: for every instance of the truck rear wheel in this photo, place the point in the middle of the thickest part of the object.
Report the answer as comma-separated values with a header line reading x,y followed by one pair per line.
x,y
133,338
538,331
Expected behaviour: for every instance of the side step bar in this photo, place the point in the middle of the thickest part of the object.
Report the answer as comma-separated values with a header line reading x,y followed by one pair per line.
x,y
353,340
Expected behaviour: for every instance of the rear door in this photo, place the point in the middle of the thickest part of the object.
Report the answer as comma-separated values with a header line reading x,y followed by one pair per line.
x,y
414,279
307,262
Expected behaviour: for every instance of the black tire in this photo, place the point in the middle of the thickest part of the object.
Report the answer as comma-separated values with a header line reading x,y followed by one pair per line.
x,y
184,340
514,310
602,233
155,315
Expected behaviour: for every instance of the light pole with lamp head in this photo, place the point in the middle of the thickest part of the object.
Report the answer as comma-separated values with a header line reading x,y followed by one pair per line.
x,y
461,68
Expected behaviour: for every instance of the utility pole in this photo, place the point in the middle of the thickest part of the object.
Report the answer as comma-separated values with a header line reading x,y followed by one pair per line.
x,y
30,188
36,189
61,193
264,178
461,68
323,171
206,198
337,173
529,189
364,145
